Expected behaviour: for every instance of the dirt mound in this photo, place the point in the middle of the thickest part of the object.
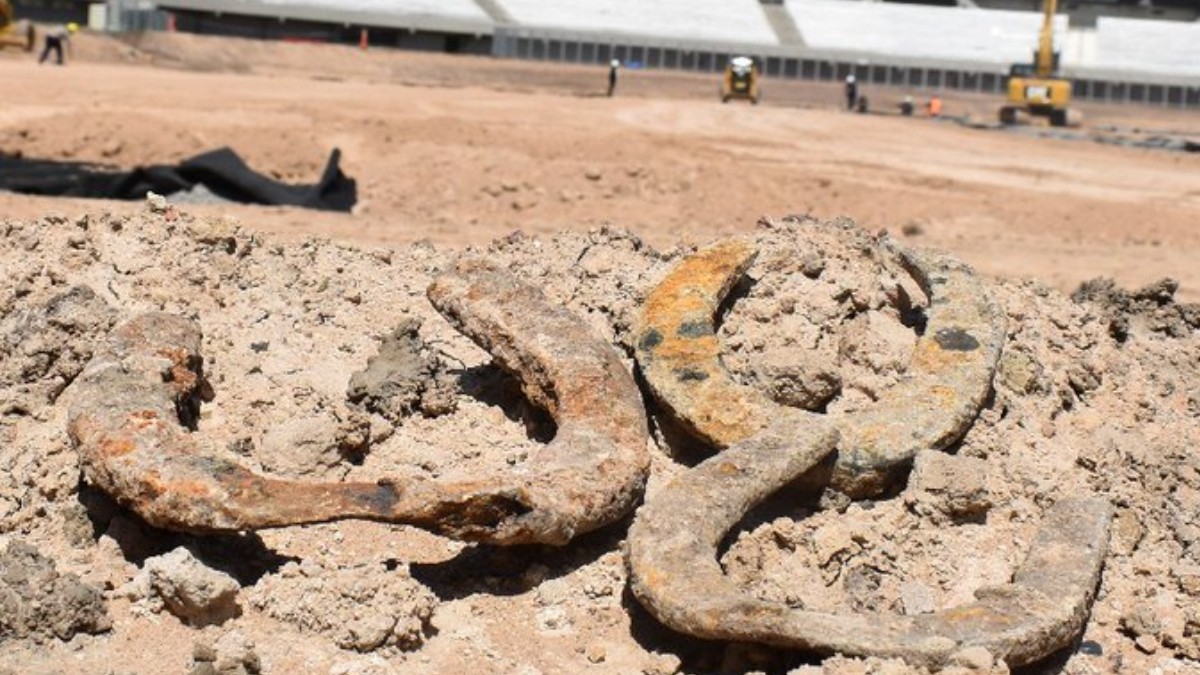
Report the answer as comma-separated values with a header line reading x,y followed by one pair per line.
x,y
824,320
38,603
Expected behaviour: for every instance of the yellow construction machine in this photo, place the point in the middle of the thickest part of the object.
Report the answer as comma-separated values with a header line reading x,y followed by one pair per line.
x,y
1039,90
14,33
741,80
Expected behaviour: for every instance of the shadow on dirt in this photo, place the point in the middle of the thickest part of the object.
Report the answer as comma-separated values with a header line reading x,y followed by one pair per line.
x,y
243,556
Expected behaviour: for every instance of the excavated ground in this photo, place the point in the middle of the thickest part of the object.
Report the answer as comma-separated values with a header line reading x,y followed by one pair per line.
x,y
327,361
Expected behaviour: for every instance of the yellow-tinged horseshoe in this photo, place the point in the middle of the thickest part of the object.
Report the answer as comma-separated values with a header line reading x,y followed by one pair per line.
x,y
947,381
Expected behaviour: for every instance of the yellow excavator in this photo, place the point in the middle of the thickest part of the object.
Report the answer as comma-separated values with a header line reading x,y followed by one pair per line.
x,y
1039,91
741,80
14,33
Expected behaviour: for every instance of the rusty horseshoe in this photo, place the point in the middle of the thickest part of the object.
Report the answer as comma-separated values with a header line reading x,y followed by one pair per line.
x,y
137,399
675,573
948,378
673,544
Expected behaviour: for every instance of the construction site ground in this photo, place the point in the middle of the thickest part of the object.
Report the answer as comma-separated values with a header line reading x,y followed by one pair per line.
x,y
1094,395
460,150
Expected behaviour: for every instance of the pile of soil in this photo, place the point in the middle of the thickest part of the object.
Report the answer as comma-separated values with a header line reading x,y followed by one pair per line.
x,y
1099,395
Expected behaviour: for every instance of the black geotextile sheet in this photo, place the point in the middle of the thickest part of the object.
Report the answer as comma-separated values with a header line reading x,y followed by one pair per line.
x,y
222,171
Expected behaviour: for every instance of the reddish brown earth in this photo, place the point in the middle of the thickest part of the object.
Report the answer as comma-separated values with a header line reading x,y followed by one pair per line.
x,y
459,150
1096,396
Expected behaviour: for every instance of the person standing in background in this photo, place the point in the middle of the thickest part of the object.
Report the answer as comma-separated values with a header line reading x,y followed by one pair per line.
x,y
935,106
613,67
57,38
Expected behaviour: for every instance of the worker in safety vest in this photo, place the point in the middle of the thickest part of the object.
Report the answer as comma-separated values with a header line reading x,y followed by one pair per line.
x,y
935,106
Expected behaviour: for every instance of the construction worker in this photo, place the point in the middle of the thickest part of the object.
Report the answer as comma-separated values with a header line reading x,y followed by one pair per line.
x,y
906,106
613,67
56,38
851,92
935,106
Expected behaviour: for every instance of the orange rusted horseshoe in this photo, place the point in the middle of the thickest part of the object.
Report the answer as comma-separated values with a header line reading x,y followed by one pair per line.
x,y
134,399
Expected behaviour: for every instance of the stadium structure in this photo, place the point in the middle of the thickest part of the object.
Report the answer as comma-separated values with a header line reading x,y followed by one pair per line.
x,y
1142,51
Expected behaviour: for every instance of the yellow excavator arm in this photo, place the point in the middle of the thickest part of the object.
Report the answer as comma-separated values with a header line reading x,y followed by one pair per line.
x,y
1044,67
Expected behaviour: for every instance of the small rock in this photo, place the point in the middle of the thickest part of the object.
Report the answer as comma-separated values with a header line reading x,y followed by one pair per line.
x,y
596,653
1141,620
197,594
917,598
812,264
663,664
593,174
236,655
974,658
156,202
364,608
204,652
1021,373
951,485
1147,644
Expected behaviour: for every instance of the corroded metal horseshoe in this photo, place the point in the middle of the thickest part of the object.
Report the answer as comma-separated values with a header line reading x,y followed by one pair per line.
x,y
134,399
672,546
675,573
947,380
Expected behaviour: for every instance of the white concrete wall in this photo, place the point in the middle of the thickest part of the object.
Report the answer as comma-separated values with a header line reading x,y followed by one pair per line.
x,y
456,9
730,21
1164,47
994,37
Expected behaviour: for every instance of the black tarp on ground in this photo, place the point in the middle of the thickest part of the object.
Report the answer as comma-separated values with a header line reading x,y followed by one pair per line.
x,y
221,171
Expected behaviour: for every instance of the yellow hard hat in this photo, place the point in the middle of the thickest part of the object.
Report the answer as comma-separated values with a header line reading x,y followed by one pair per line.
x,y
73,27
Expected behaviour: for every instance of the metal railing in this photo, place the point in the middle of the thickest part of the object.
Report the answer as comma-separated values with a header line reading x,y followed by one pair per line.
x,y
805,64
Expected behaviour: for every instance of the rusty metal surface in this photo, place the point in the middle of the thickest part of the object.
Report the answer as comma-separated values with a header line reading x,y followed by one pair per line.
x,y
673,544
679,353
134,399
947,381
675,573
594,470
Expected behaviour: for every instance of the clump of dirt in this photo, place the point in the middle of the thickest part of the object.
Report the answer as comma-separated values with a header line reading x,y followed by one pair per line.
x,y
363,607
405,377
232,654
36,602
44,347
1153,306
183,585
824,320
